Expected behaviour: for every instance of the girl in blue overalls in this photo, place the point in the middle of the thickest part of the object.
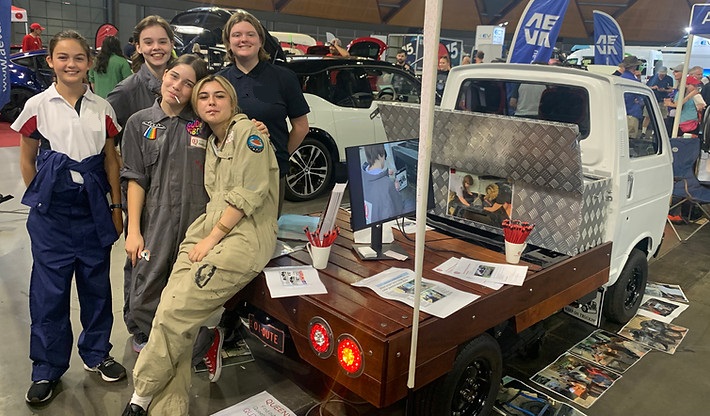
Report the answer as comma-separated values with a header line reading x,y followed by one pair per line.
x,y
70,166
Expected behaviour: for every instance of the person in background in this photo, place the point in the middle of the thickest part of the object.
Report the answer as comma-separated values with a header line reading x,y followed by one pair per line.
x,y
69,164
129,48
662,86
110,67
224,249
442,73
466,59
336,48
164,155
379,190
401,60
478,59
33,40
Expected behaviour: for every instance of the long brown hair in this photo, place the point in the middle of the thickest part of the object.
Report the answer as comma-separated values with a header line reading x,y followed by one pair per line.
x,y
137,60
244,16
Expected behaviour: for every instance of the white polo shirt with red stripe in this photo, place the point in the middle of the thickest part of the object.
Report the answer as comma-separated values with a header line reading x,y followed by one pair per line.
x,y
49,118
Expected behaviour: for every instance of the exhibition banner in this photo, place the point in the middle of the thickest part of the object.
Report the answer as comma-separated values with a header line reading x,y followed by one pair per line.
x,y
608,40
537,31
700,19
5,34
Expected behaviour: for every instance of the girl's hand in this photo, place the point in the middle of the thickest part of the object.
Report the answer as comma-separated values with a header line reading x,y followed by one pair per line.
x,y
134,245
261,127
201,249
117,217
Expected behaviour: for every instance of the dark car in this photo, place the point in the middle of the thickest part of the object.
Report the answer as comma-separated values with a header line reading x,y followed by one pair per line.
x,y
203,26
29,74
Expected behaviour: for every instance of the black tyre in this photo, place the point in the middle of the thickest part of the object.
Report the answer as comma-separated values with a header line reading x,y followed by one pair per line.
x,y
624,297
471,387
18,98
311,171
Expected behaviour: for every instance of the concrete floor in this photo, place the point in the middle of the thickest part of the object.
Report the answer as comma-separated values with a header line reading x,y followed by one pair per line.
x,y
660,384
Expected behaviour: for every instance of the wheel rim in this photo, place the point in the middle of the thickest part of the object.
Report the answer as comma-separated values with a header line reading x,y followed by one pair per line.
x,y
632,289
308,171
472,390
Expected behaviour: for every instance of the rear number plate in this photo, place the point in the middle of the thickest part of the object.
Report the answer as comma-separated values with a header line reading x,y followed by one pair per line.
x,y
268,334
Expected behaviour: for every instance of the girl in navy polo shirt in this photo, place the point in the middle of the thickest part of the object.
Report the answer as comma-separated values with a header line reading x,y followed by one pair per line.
x,y
69,164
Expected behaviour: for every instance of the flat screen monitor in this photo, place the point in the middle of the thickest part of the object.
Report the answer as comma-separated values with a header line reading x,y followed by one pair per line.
x,y
382,180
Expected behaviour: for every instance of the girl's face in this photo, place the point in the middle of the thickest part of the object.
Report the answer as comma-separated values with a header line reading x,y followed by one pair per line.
x,y
69,61
155,46
177,84
214,105
244,41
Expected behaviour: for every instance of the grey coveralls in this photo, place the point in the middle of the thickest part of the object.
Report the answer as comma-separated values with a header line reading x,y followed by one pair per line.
x,y
244,174
167,161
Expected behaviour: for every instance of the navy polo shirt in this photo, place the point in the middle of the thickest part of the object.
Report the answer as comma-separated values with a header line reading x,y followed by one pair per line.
x,y
270,94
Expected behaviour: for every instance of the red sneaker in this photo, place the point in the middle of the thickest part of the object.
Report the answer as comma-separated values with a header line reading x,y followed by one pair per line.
x,y
213,358
675,219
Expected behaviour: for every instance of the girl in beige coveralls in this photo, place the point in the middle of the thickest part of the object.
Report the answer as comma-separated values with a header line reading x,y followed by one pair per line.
x,y
224,249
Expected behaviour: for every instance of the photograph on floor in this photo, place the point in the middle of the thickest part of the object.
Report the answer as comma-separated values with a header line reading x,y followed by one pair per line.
x,y
484,199
576,379
610,351
666,291
653,333
516,398
660,309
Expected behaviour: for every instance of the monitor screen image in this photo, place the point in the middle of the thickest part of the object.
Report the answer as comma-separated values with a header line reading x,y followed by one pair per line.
x,y
382,180
484,199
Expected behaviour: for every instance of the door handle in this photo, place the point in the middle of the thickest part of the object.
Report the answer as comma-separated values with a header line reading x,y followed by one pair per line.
x,y
629,185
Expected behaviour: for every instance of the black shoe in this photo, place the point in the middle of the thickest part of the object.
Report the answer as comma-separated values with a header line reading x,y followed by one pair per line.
x,y
133,410
109,369
40,391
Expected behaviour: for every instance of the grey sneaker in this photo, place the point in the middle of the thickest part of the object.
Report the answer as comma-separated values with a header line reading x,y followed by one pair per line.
x,y
40,391
109,369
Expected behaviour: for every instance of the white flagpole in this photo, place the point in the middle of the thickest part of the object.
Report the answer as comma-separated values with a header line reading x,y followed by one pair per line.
x,y
432,25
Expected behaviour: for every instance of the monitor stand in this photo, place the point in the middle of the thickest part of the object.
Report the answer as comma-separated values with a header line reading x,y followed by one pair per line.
x,y
375,250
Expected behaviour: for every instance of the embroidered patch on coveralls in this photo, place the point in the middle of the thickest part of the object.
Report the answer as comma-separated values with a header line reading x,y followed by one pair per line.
x,y
255,144
204,274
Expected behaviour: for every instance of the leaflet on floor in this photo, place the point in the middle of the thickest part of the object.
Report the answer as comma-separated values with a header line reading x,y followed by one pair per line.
x,y
666,291
661,309
518,399
610,350
437,298
262,404
655,334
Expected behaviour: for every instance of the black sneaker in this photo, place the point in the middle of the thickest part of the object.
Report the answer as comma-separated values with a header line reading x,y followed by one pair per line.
x,y
40,391
133,410
109,369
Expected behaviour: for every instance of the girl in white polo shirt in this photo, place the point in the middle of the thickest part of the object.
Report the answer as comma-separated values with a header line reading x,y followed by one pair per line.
x,y
70,166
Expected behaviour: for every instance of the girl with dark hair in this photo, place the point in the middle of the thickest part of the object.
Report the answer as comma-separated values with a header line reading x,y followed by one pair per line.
x,y
110,67
69,164
163,155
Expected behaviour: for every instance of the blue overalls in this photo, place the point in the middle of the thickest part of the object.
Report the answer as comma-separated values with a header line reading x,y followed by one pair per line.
x,y
71,233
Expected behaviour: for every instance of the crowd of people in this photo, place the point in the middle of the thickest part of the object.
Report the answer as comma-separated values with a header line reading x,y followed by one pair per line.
x,y
189,166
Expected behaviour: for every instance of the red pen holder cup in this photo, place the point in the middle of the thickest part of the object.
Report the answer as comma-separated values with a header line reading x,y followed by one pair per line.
x,y
319,255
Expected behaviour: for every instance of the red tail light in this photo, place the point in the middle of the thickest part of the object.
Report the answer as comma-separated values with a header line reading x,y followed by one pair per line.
x,y
321,337
350,355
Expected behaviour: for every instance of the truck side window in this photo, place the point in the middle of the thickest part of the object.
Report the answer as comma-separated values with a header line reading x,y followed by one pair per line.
x,y
642,125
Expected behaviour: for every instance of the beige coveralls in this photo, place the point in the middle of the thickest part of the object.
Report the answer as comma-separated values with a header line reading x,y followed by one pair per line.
x,y
244,174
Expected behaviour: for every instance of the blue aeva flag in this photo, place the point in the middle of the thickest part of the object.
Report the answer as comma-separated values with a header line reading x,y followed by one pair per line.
x,y
608,40
537,31
5,33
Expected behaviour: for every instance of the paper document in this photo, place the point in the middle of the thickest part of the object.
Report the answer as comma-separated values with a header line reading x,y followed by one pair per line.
x,y
437,298
293,281
262,404
493,272
450,265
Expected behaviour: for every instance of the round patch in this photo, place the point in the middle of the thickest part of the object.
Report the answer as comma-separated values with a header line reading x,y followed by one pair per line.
x,y
255,144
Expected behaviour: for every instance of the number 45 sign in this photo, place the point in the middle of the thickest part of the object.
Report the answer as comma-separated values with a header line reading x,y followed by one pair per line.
x,y
414,45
